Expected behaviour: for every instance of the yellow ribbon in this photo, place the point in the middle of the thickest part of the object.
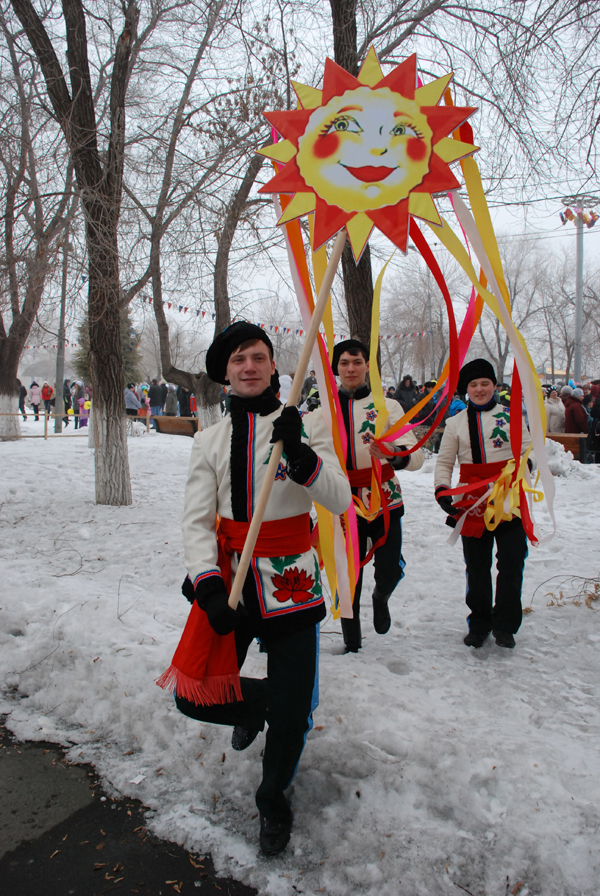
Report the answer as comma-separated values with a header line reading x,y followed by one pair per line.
x,y
504,501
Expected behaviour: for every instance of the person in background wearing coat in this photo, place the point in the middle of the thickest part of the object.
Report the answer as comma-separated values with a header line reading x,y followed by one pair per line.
x,y
575,415
47,395
183,397
565,395
164,391
77,392
35,398
171,403
406,393
555,413
66,400
22,397
155,393
132,402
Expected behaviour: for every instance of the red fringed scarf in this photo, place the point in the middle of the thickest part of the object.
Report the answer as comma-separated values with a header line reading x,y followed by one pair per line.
x,y
204,669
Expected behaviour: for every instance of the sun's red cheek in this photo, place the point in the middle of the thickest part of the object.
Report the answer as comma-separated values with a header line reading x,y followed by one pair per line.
x,y
416,149
326,146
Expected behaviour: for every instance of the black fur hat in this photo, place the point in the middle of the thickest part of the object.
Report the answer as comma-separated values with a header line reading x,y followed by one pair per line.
x,y
345,346
223,346
475,370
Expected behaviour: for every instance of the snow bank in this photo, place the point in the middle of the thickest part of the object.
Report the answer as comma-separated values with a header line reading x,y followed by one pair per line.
x,y
432,767
561,463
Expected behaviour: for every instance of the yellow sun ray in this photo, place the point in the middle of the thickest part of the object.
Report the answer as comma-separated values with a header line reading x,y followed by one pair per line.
x,y
370,71
309,97
279,152
430,94
301,204
359,230
421,205
450,150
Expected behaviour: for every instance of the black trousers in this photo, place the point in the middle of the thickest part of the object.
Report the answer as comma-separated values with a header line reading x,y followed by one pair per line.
x,y
285,700
511,551
388,562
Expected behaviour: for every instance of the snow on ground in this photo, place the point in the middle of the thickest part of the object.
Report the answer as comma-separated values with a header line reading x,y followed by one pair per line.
x,y
432,769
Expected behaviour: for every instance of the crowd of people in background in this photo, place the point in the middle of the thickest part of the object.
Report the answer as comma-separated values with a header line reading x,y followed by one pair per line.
x,y
570,407
76,398
159,399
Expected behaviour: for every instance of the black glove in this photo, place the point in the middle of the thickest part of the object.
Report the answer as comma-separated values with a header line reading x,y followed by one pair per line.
x,y
399,463
445,502
212,597
288,427
187,589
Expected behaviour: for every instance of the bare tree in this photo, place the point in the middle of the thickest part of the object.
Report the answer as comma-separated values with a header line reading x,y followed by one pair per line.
x,y
37,207
557,340
523,270
99,177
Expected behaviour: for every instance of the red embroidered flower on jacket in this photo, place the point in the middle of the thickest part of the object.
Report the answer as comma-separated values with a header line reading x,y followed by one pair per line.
x,y
293,585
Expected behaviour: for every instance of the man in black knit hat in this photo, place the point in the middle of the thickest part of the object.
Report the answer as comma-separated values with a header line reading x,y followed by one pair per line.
x,y
351,363
282,600
479,438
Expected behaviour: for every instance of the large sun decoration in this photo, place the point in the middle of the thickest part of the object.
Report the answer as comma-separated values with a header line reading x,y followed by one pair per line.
x,y
367,152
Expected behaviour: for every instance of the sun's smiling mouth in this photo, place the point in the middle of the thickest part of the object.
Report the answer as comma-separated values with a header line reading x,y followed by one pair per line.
x,y
369,174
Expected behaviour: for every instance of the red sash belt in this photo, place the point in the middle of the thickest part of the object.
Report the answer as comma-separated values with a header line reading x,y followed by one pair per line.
x,y
204,669
479,476
362,478
276,538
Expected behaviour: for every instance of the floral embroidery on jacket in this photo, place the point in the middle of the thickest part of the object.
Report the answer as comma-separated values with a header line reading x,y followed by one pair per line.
x,y
295,585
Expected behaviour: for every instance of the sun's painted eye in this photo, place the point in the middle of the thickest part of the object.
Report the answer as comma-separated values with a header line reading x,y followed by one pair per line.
x,y
345,123
403,130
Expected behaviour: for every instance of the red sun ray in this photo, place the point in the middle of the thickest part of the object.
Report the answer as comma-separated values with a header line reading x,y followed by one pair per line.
x,y
438,179
288,180
336,81
403,79
444,119
328,220
393,222
465,132
290,124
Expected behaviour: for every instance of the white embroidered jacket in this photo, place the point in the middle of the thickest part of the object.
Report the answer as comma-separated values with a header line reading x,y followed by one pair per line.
x,y
283,584
360,420
493,429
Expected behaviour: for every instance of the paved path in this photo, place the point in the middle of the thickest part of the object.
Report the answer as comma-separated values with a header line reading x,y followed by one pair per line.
x,y
60,835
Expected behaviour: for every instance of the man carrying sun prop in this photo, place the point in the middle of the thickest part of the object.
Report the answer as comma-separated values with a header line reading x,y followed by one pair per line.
x,y
367,152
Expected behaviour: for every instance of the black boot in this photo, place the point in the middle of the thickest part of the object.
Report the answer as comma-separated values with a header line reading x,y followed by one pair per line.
x,y
381,612
475,639
504,638
274,835
243,737
352,634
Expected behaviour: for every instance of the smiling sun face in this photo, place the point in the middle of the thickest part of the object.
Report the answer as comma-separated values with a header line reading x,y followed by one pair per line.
x,y
367,152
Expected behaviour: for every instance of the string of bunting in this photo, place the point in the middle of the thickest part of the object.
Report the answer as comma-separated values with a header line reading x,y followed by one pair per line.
x,y
49,345
276,328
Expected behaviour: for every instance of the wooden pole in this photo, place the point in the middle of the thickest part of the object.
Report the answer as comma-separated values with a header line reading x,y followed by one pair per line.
x,y
296,388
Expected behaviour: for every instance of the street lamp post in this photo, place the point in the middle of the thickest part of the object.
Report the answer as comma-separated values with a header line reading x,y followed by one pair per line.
x,y
579,217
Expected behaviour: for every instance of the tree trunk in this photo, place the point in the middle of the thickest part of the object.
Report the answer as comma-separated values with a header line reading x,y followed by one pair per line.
x,y
358,278
10,352
113,484
358,291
